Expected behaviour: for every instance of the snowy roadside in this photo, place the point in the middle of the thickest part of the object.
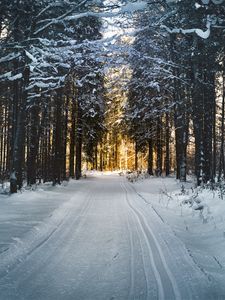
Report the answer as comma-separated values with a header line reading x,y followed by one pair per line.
x,y
197,219
27,211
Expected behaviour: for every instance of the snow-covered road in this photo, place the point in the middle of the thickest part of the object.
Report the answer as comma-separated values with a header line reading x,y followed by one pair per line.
x,y
104,242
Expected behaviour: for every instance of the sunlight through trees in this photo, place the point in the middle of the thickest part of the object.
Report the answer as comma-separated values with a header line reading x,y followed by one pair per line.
x,y
111,85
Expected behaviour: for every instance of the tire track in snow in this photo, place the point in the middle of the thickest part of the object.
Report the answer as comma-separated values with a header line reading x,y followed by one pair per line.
x,y
22,252
192,263
155,270
131,291
147,231
83,213
142,256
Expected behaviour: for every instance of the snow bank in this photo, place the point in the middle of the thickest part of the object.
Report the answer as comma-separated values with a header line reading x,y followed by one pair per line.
x,y
31,212
197,217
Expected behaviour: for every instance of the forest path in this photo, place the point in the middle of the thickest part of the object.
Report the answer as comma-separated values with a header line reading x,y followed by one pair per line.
x,y
104,243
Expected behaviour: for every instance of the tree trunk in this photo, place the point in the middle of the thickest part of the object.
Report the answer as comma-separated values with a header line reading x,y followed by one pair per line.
x,y
158,148
57,138
209,102
72,139
33,145
167,159
150,157
79,143
221,161
16,176
65,133
136,157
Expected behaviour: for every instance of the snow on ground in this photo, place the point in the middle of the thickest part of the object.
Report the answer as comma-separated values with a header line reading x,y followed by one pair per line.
x,y
197,217
19,213
106,238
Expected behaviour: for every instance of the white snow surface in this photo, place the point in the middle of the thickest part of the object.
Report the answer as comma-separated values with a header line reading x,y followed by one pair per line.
x,y
105,238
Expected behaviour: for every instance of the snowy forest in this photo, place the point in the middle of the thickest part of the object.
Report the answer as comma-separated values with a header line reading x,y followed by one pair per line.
x,y
157,78
112,149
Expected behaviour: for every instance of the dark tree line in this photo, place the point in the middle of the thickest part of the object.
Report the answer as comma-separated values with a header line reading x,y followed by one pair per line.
x,y
51,90
178,66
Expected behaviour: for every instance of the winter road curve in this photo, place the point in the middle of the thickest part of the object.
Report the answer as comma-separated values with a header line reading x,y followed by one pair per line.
x,y
103,243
